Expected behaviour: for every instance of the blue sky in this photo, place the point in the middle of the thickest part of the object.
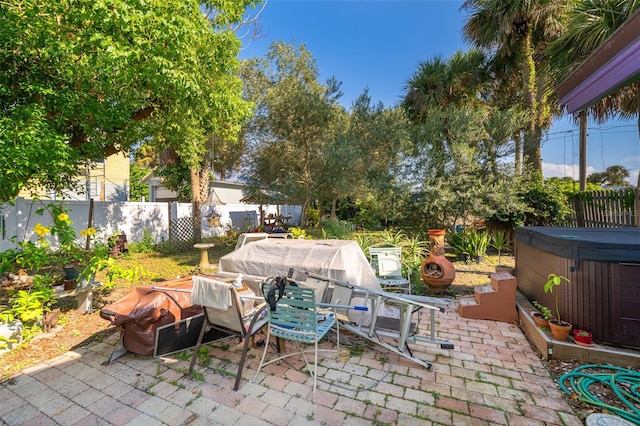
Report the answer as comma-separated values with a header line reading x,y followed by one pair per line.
x,y
379,44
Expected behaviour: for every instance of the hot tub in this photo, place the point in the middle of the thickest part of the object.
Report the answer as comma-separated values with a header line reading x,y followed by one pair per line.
x,y
603,265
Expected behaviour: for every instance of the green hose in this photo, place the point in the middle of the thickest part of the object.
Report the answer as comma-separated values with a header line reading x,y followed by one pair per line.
x,y
624,383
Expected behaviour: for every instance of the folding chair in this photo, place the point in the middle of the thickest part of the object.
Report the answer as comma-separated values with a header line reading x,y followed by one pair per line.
x,y
229,309
387,264
296,317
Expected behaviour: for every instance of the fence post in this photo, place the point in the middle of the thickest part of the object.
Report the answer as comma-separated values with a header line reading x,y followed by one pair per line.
x,y
169,226
636,205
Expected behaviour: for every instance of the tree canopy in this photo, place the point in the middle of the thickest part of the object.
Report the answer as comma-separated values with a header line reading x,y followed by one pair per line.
x,y
292,122
81,80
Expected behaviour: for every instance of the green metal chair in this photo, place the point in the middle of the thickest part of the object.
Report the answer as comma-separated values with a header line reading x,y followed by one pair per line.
x,y
297,318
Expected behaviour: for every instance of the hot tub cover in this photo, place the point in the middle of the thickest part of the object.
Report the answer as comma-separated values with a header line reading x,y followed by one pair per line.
x,y
338,259
619,245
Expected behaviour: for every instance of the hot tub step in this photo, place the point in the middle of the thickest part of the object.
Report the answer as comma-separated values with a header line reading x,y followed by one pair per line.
x,y
495,301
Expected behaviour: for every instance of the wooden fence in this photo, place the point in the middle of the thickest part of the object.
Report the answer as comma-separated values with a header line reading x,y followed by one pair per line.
x,y
606,209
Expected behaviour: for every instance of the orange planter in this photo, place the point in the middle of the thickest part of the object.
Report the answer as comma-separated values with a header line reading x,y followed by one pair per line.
x,y
539,319
559,331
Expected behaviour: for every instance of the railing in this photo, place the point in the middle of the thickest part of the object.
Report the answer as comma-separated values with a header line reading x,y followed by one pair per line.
x,y
606,209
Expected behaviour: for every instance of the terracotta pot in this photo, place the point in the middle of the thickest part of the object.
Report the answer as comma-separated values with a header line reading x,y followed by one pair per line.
x,y
436,270
583,337
539,319
559,331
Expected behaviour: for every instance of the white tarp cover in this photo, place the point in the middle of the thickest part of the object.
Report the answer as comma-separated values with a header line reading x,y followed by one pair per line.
x,y
338,259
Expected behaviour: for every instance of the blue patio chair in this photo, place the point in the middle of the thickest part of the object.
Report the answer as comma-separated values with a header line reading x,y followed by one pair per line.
x,y
296,318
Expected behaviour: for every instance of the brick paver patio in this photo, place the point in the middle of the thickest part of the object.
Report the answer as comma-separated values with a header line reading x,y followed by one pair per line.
x,y
492,377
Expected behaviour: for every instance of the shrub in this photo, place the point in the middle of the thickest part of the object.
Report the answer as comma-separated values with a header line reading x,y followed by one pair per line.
x,y
338,229
469,242
146,245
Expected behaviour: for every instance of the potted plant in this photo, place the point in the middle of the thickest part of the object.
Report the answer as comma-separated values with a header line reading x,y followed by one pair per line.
x,y
470,244
559,329
583,337
542,316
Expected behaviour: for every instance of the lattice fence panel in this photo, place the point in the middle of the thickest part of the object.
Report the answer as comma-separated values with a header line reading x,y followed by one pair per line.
x,y
182,235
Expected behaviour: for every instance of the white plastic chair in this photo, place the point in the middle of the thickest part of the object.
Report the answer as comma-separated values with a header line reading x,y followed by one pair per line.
x,y
387,264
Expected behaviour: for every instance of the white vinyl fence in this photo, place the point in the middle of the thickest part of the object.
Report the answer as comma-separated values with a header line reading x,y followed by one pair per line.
x,y
133,218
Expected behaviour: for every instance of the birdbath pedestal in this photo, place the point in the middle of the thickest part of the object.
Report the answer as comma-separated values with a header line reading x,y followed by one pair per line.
x,y
204,254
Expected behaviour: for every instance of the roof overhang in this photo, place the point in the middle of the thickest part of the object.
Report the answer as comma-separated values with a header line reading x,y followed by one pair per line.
x,y
261,196
611,66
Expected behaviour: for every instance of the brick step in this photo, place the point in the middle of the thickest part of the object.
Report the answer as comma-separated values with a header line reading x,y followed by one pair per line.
x,y
495,301
467,301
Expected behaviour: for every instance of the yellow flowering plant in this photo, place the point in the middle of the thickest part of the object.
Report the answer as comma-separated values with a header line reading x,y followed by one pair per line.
x,y
86,254
43,261
38,256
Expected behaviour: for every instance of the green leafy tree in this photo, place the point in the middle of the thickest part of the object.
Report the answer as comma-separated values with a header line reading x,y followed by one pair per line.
x,y
616,175
83,79
459,183
361,158
597,178
138,190
613,176
293,121
570,187
438,85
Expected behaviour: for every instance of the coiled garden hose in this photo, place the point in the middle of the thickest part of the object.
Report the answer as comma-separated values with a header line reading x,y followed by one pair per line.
x,y
624,383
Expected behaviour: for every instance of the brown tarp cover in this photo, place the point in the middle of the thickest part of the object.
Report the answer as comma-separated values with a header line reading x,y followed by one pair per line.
x,y
141,311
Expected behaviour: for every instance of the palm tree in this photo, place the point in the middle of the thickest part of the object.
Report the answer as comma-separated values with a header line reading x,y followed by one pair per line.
x,y
517,31
440,84
616,175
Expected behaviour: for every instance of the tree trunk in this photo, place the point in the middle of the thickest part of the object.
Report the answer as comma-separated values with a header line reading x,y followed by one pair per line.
x,y
531,151
203,184
334,207
195,205
517,139
305,211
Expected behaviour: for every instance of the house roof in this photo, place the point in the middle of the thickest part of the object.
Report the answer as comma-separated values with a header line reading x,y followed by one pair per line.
x,y
262,196
612,65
